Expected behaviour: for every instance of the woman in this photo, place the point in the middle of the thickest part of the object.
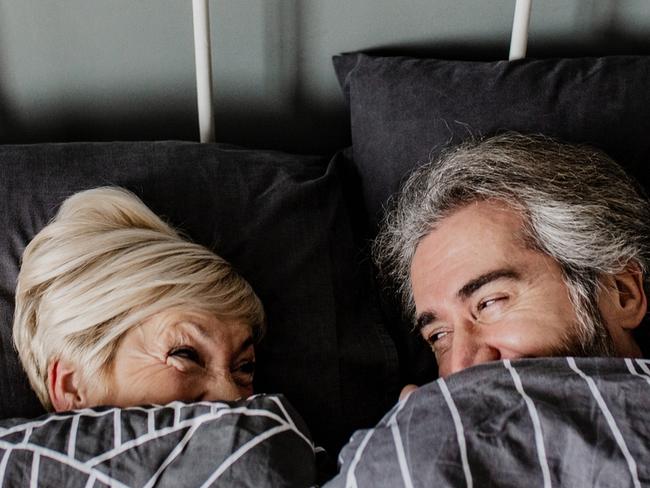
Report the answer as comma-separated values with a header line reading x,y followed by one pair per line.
x,y
113,307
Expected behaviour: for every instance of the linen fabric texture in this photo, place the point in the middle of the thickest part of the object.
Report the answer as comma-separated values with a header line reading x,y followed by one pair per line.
x,y
404,111
578,422
259,442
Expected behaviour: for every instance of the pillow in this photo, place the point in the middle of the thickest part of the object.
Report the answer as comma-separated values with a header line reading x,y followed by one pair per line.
x,y
405,110
280,219
257,442
579,422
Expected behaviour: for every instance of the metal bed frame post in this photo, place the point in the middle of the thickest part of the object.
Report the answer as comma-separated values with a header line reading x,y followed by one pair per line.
x,y
203,60
519,39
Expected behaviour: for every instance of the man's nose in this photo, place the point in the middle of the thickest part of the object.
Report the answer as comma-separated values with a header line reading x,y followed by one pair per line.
x,y
470,348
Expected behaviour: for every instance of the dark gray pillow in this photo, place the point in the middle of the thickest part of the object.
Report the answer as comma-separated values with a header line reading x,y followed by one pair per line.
x,y
405,110
258,442
280,219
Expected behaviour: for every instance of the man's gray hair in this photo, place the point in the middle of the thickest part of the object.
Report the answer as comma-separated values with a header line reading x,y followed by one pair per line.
x,y
579,207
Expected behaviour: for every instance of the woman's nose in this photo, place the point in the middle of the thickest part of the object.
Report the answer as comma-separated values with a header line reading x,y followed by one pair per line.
x,y
224,388
469,348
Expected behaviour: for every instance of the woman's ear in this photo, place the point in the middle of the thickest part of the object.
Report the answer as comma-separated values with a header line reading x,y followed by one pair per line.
x,y
63,386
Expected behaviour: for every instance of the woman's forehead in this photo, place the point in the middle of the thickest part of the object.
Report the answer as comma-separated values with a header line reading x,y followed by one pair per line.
x,y
199,323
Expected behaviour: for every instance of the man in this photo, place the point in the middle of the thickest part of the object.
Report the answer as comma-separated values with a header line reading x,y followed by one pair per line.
x,y
511,247
520,246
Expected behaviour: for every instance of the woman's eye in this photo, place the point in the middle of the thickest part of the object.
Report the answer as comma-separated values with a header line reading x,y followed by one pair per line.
x,y
186,352
244,373
247,368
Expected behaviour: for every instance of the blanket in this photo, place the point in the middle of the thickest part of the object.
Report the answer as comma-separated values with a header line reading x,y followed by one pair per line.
x,y
258,442
574,422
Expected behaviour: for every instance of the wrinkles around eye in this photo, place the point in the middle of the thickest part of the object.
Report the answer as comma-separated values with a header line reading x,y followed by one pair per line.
x,y
186,353
491,304
247,367
437,336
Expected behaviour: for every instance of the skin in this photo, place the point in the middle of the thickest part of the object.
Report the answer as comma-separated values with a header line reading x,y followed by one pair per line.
x,y
174,355
482,295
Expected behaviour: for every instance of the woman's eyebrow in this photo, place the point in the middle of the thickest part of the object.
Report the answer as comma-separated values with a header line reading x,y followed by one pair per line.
x,y
197,328
248,342
475,284
245,345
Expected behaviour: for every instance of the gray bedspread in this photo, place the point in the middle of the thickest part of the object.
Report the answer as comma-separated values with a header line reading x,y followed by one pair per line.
x,y
582,422
258,442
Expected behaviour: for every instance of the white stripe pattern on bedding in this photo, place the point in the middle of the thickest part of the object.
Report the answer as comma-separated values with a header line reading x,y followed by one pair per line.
x,y
537,426
117,428
108,447
351,480
399,447
36,461
3,463
630,366
64,460
91,481
180,425
72,438
546,422
172,455
610,421
243,450
460,432
643,364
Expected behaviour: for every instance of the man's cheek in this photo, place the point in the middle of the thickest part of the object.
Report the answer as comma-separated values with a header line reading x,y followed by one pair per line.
x,y
526,337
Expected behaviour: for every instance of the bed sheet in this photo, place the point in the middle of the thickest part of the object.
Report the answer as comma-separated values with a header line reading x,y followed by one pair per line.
x,y
574,422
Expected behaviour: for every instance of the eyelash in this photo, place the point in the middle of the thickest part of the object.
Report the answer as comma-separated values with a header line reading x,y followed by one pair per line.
x,y
186,352
482,305
247,368
436,336
191,354
490,301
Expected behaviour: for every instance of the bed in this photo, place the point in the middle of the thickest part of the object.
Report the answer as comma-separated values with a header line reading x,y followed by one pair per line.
x,y
298,227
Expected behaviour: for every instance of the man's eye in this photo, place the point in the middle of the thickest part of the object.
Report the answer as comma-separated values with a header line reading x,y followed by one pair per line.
x,y
483,304
435,337
186,352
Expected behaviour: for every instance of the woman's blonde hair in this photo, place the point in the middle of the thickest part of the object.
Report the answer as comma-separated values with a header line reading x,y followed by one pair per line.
x,y
99,268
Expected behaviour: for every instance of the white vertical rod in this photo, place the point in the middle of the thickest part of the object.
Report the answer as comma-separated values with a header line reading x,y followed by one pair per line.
x,y
203,60
519,39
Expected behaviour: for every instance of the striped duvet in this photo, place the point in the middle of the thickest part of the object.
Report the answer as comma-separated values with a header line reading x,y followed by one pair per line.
x,y
548,422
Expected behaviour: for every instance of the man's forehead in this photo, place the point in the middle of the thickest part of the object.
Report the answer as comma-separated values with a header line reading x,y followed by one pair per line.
x,y
478,239
486,219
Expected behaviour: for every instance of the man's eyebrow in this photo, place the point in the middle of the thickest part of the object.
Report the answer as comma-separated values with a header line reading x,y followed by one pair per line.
x,y
422,320
473,285
429,316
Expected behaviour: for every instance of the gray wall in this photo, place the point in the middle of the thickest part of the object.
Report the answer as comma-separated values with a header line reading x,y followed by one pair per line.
x,y
124,69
